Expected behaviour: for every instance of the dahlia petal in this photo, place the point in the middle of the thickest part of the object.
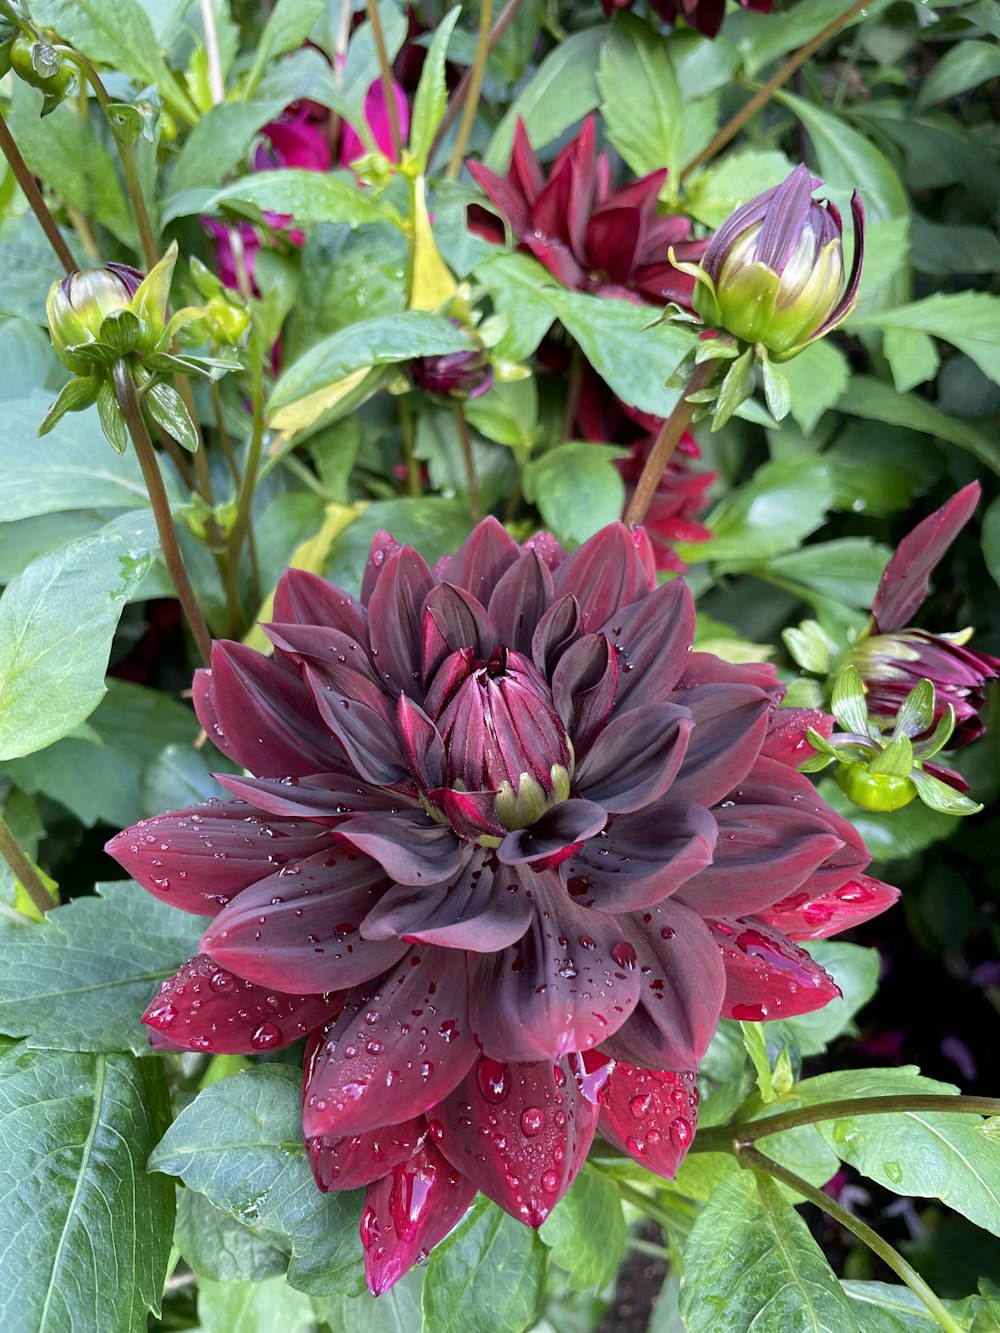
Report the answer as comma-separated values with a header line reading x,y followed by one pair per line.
x,y
635,758
730,722
550,212
558,628
903,585
399,1046
470,813
408,1212
651,1114
306,599
408,845
461,622
323,647
683,984
707,669
556,256
365,732
503,195
614,236
546,548
653,643
482,909
763,853
786,739
583,689
354,1160
395,619
203,1007
524,168
520,1132
383,547
766,975
641,858
518,602
200,857
605,574
265,719
480,562
319,796
642,195
560,827
560,988
803,916
299,929
421,743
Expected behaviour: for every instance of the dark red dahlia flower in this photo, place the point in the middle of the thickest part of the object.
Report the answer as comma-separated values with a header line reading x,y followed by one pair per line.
x,y
893,659
704,15
588,235
500,818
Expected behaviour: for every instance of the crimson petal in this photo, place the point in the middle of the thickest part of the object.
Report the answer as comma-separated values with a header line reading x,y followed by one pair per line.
x,y
518,602
562,827
408,1212
361,718
298,929
398,1047
804,916
605,575
395,619
383,547
321,646
520,1132
649,1113
306,599
903,585
641,858
786,739
583,689
203,1007
319,796
766,975
354,1160
635,758
730,722
481,561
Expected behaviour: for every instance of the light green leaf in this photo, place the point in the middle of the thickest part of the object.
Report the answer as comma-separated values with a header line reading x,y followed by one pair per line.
x,y
577,488
965,66
848,702
784,502
215,147
895,836
968,320
816,379
286,29
750,1263
179,775
57,620
719,188
254,1306
433,526
760,42
846,569
586,1231
85,1229
309,196
217,1247
990,536
855,970
640,98
395,1311
878,401
939,796
240,1144
486,1277
432,92
912,356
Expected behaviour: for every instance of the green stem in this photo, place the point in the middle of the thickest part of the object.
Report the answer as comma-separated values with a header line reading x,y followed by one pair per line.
x,y
731,1138
244,503
761,98
385,74
410,460
471,103
751,1157
458,98
646,1205
128,401
33,194
471,481
24,872
665,444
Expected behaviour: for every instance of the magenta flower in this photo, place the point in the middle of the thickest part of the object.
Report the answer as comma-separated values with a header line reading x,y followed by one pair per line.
x,y
704,15
588,235
893,659
377,117
501,818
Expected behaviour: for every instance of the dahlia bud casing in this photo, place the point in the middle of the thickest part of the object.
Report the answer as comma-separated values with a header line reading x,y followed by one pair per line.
x,y
78,305
774,275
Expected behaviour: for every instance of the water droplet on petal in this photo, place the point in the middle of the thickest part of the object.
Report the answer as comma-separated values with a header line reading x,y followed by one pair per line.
x,y
266,1036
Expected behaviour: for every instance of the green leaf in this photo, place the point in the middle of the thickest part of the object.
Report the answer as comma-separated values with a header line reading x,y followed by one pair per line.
x,y
362,66
219,1248
27,361
167,409
965,66
846,569
86,1229
286,29
432,93
179,775
586,1231
968,320
990,536
57,620
939,796
810,646
912,356
81,979
848,702
952,248
75,396
309,196
577,488
29,268
916,712
895,836
878,401
216,146
816,379
640,98
777,390
434,526
760,42
926,1154
720,187
784,501
506,413
750,1262
487,1277
888,1309
240,1144
112,418
254,1306
895,760
855,970
562,91
737,385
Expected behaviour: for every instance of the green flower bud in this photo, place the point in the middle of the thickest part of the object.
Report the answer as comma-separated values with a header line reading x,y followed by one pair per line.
x,y
42,67
881,792
78,305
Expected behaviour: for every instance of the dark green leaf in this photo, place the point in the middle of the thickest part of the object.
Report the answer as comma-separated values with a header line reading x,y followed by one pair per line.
x,y
167,409
965,66
991,539
214,147
816,379
111,418
968,320
872,398
218,1247
434,526
179,775
846,569
286,29
586,1231
640,97
577,488
86,1229
760,42
855,970
912,356
784,502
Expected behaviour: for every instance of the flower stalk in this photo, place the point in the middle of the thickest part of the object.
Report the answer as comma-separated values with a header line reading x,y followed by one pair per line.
x,y
242,526
471,103
667,441
385,74
459,97
22,869
33,194
128,401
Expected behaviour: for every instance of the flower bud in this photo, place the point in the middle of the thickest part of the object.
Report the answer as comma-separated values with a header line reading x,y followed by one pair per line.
x,y
774,272
453,375
78,305
42,67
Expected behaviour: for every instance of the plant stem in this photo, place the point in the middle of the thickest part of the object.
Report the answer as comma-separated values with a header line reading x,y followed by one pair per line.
x,y
574,385
472,483
766,92
665,444
730,1138
471,96
458,98
385,74
751,1157
128,401
223,433
33,195
244,503
216,84
646,1205
24,872
410,461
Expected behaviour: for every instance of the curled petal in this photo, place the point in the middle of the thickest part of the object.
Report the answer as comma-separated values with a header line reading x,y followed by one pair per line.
x,y
408,1212
453,620
649,1113
558,628
558,830
383,547
652,641
409,846
397,1048
482,560
395,619
325,797
766,975
583,689
204,1007
804,916
354,1160
362,719
519,600
306,599
635,758
520,1132
730,722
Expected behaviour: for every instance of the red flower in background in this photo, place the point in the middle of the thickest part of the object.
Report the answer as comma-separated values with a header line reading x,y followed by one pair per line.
x,y
590,236
679,496
505,830
377,116
704,15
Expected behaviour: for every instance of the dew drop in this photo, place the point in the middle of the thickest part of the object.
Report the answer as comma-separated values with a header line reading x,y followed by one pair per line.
x,y
222,981
266,1036
681,1132
532,1120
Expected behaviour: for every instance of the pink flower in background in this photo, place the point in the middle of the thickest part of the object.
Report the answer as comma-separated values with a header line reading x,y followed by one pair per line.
x,y
704,15
377,116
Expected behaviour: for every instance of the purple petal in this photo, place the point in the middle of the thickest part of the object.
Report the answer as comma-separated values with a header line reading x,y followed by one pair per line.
x,y
653,642
730,722
323,649
560,828
766,975
641,858
846,303
518,602
306,599
461,622
558,628
362,719
784,219
635,758
786,739
354,1160
398,1047
481,561
299,929
520,1132
583,689
383,546
326,797
395,619
422,744
903,585
649,1113
409,846
470,813
605,575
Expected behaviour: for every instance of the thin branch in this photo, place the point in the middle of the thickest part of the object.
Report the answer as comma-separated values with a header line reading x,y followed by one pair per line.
x,y
471,481
22,869
457,100
33,194
665,444
385,74
471,95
